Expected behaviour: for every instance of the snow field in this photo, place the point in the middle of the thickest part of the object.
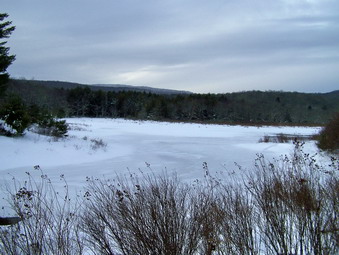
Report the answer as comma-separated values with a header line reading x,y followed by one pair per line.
x,y
104,148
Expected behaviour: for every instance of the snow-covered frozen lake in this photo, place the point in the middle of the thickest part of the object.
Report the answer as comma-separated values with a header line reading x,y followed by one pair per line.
x,y
106,147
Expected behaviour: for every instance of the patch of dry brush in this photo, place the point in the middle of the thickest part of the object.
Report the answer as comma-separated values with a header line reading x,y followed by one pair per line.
x,y
289,206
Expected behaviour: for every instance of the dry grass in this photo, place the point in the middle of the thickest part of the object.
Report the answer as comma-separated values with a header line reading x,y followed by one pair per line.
x,y
285,138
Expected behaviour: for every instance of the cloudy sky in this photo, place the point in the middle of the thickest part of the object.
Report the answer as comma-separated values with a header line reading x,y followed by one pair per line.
x,y
202,46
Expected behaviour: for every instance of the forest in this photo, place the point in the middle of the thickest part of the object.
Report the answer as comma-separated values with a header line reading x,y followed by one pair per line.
x,y
250,107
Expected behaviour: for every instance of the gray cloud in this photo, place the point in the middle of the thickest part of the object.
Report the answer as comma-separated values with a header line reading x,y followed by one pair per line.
x,y
214,46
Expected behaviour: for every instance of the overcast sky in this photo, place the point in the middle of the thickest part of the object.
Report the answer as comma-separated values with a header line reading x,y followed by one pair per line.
x,y
202,46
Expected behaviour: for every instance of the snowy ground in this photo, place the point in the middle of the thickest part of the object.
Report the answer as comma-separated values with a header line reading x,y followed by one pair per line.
x,y
106,147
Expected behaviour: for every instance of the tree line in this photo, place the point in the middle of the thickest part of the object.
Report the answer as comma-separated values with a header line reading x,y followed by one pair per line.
x,y
255,107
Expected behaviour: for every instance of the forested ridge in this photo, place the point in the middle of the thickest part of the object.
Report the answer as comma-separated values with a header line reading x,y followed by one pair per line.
x,y
255,107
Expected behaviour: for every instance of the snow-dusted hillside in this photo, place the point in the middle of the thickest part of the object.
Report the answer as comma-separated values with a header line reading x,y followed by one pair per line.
x,y
106,147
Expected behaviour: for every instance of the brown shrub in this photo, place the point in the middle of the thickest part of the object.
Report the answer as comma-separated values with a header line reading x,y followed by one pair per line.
x,y
329,136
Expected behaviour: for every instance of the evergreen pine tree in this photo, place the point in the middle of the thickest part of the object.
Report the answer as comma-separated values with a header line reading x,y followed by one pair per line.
x,y
5,59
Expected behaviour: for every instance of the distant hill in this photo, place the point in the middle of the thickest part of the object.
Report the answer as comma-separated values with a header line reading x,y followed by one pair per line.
x,y
121,87
103,87
122,101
